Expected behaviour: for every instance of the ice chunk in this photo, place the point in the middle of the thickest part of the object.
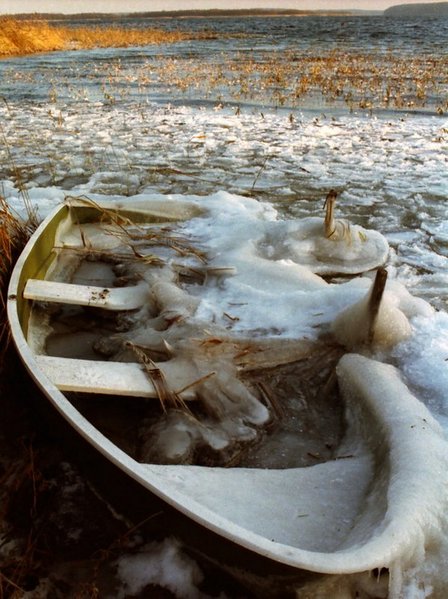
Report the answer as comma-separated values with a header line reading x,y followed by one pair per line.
x,y
326,246
375,319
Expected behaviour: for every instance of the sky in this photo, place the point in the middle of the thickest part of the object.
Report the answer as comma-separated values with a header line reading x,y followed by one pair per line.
x,y
76,6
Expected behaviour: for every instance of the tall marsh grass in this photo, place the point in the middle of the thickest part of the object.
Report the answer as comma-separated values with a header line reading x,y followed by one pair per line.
x,y
14,233
28,37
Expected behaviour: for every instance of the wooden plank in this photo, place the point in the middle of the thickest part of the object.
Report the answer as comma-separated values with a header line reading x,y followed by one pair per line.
x,y
108,378
108,298
90,376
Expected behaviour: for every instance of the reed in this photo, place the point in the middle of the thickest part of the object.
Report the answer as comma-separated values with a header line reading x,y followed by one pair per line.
x,y
14,233
119,37
28,37
361,80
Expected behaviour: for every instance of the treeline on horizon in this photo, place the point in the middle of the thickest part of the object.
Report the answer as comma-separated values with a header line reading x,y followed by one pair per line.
x,y
419,9
213,12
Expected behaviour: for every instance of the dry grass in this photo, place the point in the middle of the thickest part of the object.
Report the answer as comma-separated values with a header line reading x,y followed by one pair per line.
x,y
138,238
28,37
14,233
120,37
17,566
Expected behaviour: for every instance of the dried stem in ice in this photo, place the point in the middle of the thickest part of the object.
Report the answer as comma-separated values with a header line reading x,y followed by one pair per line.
x,y
375,302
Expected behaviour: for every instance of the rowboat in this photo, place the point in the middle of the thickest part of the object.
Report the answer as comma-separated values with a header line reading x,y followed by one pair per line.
x,y
356,491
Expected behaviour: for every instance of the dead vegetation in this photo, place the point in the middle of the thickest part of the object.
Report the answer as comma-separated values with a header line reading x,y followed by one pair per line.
x,y
29,37
359,79
14,233
52,522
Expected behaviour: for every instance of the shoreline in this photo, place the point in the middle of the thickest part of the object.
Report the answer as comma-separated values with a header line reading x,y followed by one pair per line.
x,y
186,14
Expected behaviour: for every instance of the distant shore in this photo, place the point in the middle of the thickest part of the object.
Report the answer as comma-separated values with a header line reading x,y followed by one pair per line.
x,y
419,9
183,14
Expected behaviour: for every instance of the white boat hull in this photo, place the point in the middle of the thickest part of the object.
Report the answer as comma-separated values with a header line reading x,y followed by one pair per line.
x,y
367,508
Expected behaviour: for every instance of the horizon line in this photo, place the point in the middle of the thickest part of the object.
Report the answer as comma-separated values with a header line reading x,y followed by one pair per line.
x,y
291,11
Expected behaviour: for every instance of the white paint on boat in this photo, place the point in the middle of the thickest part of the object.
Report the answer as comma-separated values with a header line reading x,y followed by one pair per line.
x,y
110,378
107,298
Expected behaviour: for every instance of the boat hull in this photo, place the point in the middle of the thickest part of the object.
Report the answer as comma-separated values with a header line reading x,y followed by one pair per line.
x,y
350,514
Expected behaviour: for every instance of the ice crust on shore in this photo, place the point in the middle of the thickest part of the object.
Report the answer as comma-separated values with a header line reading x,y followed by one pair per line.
x,y
162,564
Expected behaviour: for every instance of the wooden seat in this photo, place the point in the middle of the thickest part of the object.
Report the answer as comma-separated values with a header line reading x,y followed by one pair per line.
x,y
108,298
108,378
